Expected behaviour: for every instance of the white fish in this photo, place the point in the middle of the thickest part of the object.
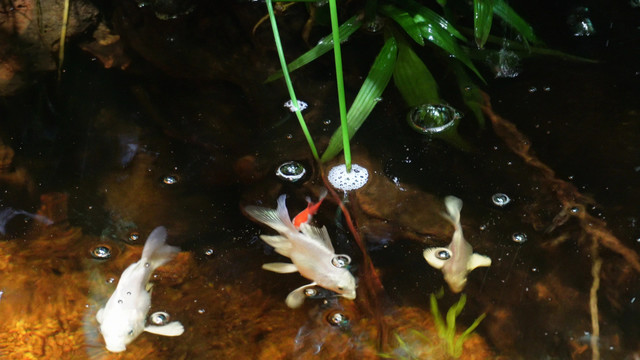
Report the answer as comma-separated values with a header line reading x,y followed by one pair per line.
x,y
122,319
457,259
310,251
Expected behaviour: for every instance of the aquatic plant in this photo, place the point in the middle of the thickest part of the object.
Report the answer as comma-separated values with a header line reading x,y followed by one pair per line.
x,y
448,332
406,20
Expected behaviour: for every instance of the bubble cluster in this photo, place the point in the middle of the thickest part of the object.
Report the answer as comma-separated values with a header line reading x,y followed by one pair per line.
x,y
159,318
345,181
291,171
432,118
500,199
341,261
101,252
289,105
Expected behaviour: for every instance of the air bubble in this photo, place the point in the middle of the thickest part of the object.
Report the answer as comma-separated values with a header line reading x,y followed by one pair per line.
x,y
443,254
101,252
134,236
432,118
500,199
341,261
519,237
291,171
337,318
208,252
159,318
310,292
170,179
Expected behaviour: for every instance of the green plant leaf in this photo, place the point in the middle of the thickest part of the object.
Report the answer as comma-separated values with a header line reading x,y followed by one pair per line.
x,y
413,79
506,13
431,17
482,17
368,96
405,20
324,45
471,94
437,317
444,40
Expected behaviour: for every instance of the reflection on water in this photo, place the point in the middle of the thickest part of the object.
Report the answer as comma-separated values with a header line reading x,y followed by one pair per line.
x,y
109,155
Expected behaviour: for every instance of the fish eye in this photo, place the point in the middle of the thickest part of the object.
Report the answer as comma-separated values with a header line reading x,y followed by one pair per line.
x,y
340,288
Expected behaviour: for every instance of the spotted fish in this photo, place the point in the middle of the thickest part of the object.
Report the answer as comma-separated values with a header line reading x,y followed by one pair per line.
x,y
122,318
310,251
457,259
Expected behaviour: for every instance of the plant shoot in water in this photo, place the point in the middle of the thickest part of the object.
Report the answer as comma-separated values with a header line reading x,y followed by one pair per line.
x,y
448,331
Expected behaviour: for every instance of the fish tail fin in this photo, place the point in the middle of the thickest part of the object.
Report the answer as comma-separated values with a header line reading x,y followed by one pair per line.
x,y
454,207
156,252
276,219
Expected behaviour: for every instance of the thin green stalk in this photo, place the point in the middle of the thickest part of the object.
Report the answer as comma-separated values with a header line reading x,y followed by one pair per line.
x,y
340,82
287,79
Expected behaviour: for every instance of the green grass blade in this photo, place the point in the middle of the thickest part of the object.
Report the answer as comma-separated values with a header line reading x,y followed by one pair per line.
x,y
482,18
465,335
437,317
512,18
292,94
324,45
405,20
444,40
413,79
431,17
340,84
367,97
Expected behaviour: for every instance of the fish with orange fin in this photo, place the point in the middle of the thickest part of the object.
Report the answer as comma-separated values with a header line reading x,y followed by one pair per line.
x,y
312,208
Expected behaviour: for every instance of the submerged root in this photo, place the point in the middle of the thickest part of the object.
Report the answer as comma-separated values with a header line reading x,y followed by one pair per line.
x,y
566,193
593,301
372,285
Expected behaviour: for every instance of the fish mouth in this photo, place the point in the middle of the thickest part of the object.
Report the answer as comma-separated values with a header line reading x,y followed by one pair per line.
x,y
350,295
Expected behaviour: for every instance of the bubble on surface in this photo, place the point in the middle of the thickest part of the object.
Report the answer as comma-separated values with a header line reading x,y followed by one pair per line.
x,y
443,254
310,292
345,181
519,237
500,199
170,179
208,252
507,65
337,318
101,252
375,25
580,23
341,261
159,318
291,171
134,236
432,118
289,105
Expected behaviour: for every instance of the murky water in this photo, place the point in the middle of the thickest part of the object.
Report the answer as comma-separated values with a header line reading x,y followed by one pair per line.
x,y
187,136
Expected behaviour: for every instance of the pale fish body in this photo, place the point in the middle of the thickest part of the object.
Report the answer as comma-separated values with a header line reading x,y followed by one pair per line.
x,y
457,259
309,249
122,318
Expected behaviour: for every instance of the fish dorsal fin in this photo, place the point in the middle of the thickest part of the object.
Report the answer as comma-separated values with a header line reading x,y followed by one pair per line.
x,y
477,260
454,207
281,268
277,219
320,234
173,328
295,299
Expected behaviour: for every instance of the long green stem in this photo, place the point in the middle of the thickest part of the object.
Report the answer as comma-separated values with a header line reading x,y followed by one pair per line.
x,y
340,82
287,79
